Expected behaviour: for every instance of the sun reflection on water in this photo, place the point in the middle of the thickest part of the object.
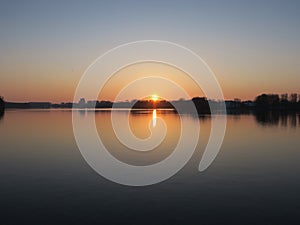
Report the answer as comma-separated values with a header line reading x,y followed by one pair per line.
x,y
154,118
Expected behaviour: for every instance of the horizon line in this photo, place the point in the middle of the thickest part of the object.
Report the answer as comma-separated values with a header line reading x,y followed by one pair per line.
x,y
179,99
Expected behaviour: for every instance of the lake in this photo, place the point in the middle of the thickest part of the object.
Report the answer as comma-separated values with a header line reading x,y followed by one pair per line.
x,y
253,180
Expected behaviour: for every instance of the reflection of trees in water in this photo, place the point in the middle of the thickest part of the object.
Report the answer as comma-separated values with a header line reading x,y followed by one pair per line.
x,y
293,120
265,118
82,112
275,118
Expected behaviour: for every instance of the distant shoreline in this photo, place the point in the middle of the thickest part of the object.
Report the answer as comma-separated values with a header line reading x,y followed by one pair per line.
x,y
264,102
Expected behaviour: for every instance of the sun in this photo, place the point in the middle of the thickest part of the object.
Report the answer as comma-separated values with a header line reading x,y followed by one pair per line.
x,y
154,98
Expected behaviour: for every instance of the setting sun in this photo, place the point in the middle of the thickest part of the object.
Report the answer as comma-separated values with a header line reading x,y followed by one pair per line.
x,y
154,97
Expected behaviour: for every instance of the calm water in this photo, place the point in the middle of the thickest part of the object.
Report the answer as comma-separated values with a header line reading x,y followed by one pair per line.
x,y
45,180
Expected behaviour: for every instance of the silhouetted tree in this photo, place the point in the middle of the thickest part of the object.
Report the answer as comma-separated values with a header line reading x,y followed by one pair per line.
x,y
201,104
149,104
293,97
104,104
272,102
284,98
2,106
1,103
267,101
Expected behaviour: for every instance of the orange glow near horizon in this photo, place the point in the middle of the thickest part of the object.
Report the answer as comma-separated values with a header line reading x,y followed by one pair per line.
x,y
61,87
158,82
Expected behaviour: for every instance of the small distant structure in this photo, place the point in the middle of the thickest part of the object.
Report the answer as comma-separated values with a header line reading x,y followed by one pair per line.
x,y
82,103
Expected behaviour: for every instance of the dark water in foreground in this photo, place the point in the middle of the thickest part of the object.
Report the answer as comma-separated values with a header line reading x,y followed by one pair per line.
x,y
45,180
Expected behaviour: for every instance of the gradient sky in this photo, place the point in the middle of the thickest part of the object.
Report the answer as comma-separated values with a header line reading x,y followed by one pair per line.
x,y
45,46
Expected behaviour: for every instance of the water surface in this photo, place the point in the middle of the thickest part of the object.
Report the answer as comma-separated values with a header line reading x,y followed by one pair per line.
x,y
45,180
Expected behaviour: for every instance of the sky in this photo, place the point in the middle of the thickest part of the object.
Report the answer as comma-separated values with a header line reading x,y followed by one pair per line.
x,y
45,46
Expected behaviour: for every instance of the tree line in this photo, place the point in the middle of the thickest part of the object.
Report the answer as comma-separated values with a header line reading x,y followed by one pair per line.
x,y
278,102
282,102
